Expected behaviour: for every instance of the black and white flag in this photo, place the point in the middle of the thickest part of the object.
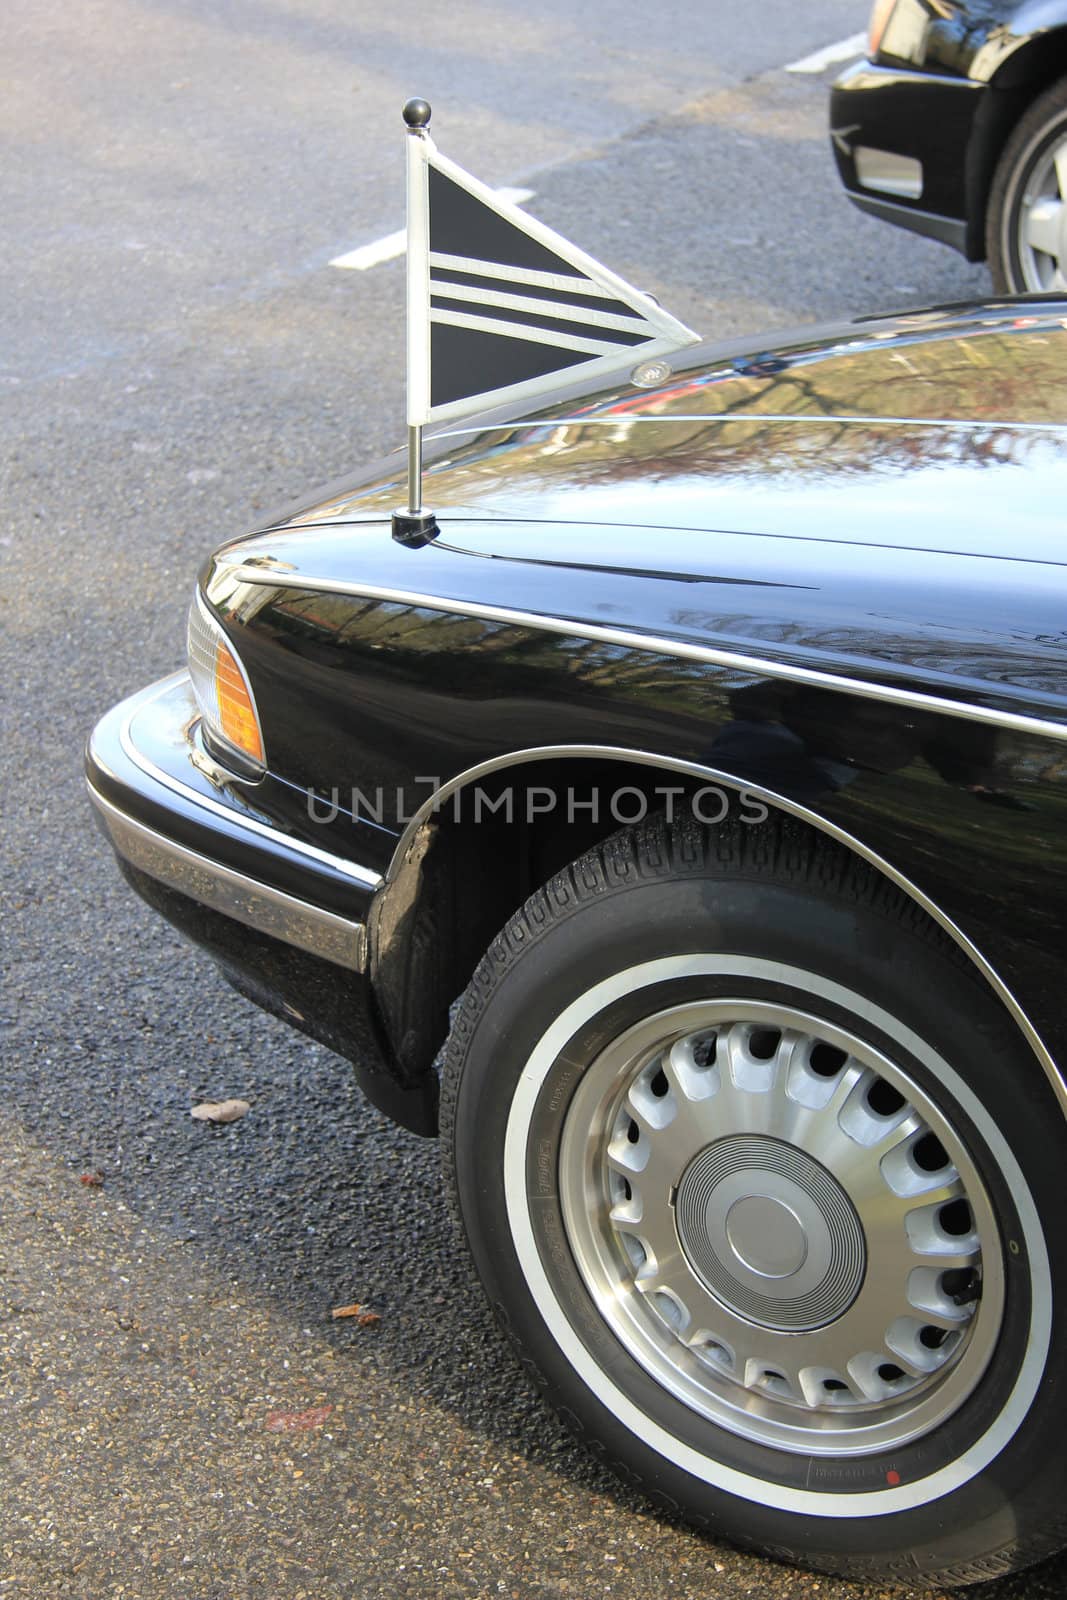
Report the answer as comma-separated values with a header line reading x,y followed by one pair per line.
x,y
500,307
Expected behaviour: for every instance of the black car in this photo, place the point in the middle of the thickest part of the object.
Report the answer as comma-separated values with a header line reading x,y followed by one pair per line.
x,y
704,784
956,127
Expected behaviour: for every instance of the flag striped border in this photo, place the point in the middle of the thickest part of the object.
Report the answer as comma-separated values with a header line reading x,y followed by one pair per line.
x,y
558,309
528,275
530,332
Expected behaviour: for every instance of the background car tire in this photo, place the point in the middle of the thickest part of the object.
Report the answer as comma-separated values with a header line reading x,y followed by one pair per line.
x,y
1027,201
765,923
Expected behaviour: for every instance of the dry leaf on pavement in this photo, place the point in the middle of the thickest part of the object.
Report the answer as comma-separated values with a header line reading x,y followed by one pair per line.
x,y
364,1318
220,1110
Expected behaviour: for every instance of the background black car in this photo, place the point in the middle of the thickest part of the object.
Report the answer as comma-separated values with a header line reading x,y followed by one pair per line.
x,y
956,127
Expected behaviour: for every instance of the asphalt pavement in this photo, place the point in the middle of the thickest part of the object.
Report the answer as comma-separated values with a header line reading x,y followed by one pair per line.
x,y
180,1413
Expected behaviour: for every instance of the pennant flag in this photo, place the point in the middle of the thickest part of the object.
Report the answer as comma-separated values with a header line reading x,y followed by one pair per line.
x,y
500,307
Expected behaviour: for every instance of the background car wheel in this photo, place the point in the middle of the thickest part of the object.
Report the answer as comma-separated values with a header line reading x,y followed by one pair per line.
x,y
1026,225
758,1175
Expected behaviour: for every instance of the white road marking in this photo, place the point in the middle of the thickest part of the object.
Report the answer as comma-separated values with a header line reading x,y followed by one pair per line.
x,y
369,255
394,244
843,50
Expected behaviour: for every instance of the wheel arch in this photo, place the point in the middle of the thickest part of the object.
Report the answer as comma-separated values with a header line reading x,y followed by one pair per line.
x,y
1035,62
1015,82
418,968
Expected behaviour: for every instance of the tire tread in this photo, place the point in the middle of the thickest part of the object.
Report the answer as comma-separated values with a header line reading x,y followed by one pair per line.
x,y
787,850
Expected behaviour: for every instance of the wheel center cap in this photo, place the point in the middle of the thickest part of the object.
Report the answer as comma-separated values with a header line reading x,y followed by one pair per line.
x,y
770,1232
766,1236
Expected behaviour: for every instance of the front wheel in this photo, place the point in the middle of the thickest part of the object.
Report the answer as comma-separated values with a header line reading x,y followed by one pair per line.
x,y
1026,226
758,1177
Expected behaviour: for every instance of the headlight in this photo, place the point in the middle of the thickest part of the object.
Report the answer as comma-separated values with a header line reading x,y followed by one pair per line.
x,y
221,686
876,26
900,29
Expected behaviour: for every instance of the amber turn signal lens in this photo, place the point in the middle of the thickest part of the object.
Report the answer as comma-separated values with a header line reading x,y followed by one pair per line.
x,y
237,715
877,25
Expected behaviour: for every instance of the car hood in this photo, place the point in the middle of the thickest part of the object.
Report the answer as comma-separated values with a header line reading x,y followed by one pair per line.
x,y
883,500
943,429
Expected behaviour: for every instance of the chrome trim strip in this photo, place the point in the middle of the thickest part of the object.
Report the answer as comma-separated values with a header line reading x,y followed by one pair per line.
x,y
350,869
780,803
256,905
755,665
970,424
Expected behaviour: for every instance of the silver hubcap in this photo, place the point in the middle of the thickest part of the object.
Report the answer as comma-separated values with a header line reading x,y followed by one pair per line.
x,y
770,1233
1043,222
781,1227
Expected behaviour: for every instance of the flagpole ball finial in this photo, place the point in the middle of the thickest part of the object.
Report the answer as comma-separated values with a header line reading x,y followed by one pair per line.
x,y
417,113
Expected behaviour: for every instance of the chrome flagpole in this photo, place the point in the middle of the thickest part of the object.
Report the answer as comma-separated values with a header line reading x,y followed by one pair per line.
x,y
415,525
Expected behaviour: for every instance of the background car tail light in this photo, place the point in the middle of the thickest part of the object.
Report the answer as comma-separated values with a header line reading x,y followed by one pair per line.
x,y
222,690
880,15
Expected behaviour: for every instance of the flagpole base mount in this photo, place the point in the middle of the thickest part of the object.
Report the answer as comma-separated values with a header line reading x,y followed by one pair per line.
x,y
414,528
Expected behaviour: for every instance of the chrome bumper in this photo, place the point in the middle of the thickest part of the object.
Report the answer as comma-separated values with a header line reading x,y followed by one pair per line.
x,y
143,758
257,905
